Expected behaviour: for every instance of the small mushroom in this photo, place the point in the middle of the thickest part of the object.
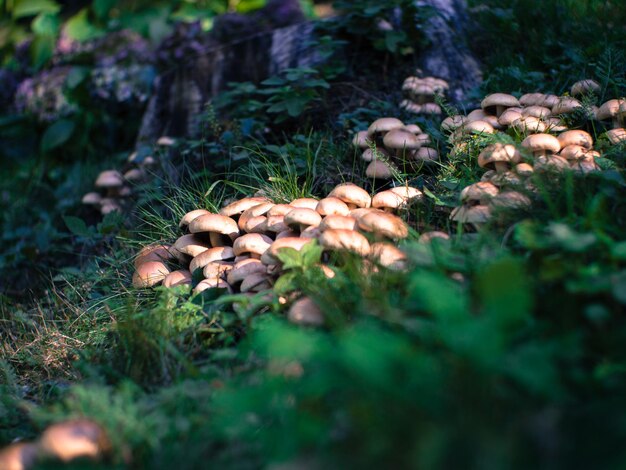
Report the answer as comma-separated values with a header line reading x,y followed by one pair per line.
x,y
576,137
345,240
149,274
497,103
384,224
182,277
252,244
305,312
69,440
222,230
499,157
18,456
352,195
542,144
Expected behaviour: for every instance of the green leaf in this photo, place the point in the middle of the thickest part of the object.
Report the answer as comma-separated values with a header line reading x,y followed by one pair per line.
x,y
57,134
285,283
618,251
77,226
46,24
41,50
311,254
78,27
245,6
34,7
76,76
289,257
101,8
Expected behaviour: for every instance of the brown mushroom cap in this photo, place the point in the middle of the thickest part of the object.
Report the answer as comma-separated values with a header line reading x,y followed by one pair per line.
x,y
305,312
553,163
256,282
18,456
378,169
401,139
374,154
610,110
220,253
510,200
499,157
524,169
252,243
471,214
243,269
540,112
566,105
215,223
496,103
427,237
480,192
388,255
396,198
271,255
452,123
383,125
218,269
110,179
253,212
345,240
301,218
190,216
583,87
211,284
509,116
430,108
74,439
304,203
237,207
332,206
361,140
542,144
149,274
153,252
92,199
573,152
338,222
528,124
385,224
191,245
182,277
351,194
414,128
576,137
478,127
616,136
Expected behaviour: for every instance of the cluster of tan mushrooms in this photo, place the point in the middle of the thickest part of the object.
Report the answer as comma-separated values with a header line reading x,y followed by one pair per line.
x,y
420,94
389,144
113,188
237,248
548,144
64,442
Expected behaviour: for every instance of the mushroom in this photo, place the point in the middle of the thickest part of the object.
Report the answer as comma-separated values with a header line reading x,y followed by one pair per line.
x,y
428,237
542,144
510,200
18,456
616,136
498,156
190,216
573,152
271,255
471,214
371,154
92,199
509,116
352,195
425,154
218,269
112,181
149,274
576,137
153,252
191,245
387,255
243,269
614,110
69,440
566,105
524,169
252,244
235,208
584,87
332,206
182,277
211,284
381,126
497,103
452,123
257,282
400,140
345,240
220,253
222,230
361,140
540,112
383,224
304,203
553,163
528,124
299,219
338,222
379,169
478,193
304,312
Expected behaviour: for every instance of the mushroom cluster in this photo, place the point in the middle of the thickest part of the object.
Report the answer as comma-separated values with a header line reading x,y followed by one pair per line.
x,y
420,94
237,248
388,143
113,188
548,144
64,442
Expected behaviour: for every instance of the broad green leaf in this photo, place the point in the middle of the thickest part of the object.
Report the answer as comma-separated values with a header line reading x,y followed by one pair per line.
x,y
79,27
245,6
34,7
46,24
41,50
57,134
77,226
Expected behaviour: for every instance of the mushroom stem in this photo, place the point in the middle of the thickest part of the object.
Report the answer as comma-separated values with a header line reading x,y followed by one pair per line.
x,y
540,153
501,167
500,109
